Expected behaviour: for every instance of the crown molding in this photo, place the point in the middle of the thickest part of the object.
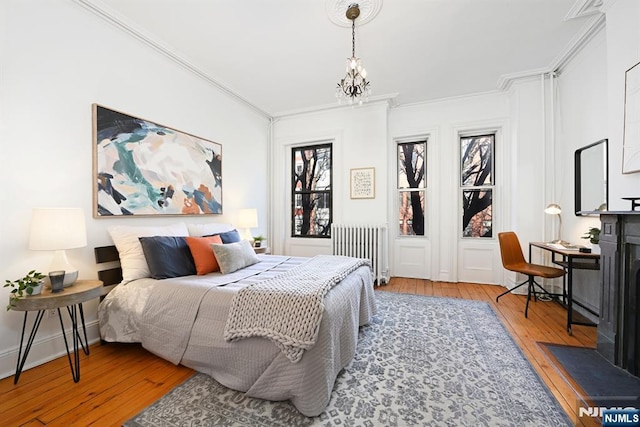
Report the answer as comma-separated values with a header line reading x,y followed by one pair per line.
x,y
584,8
505,80
121,23
389,99
606,5
592,27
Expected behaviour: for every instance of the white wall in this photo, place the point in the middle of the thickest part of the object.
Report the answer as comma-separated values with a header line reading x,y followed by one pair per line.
x,y
590,106
58,59
366,136
580,119
623,52
442,254
359,136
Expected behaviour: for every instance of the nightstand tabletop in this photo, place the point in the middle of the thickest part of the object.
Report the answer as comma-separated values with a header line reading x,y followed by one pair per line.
x,y
79,292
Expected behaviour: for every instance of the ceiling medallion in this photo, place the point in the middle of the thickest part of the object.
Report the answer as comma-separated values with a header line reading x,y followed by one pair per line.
x,y
336,11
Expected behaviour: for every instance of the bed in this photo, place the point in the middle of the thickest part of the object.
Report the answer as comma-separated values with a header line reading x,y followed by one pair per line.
x,y
186,320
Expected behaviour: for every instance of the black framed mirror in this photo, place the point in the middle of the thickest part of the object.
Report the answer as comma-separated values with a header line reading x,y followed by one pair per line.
x,y
592,178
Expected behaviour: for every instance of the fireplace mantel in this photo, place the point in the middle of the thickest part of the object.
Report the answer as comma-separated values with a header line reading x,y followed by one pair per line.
x,y
618,328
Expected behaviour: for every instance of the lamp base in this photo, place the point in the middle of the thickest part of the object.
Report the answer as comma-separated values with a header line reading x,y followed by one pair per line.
x,y
60,262
70,278
246,235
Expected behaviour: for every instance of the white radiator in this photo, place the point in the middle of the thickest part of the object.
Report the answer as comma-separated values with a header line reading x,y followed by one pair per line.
x,y
363,241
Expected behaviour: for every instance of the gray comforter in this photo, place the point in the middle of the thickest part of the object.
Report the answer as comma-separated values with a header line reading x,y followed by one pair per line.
x,y
254,365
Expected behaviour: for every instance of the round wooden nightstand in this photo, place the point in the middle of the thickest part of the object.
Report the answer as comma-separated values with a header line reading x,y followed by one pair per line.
x,y
72,298
261,250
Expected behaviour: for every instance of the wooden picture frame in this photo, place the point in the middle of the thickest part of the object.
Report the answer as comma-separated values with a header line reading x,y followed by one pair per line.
x,y
631,139
363,183
141,168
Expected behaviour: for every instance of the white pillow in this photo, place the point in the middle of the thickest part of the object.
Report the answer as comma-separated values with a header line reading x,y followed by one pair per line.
x,y
234,256
200,230
132,260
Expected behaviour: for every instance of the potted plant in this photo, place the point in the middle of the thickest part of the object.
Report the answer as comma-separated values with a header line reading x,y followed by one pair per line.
x,y
593,234
257,241
31,284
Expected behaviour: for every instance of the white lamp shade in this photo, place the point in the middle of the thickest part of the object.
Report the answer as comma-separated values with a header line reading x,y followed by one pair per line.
x,y
57,229
247,218
553,209
53,229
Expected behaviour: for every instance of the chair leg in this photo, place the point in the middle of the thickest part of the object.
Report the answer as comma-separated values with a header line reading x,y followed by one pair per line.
x,y
530,291
509,290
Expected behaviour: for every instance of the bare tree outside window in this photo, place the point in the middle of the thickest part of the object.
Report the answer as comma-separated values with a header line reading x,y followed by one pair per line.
x,y
411,176
476,181
311,191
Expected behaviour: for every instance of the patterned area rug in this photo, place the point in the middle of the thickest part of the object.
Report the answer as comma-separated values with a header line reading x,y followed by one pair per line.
x,y
422,361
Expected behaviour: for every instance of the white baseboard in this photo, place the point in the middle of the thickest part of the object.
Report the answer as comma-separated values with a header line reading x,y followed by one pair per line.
x,y
44,350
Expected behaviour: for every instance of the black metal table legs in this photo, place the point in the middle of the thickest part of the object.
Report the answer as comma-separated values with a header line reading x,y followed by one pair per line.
x,y
78,340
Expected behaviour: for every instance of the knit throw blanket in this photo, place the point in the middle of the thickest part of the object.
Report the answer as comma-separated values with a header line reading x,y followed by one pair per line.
x,y
288,308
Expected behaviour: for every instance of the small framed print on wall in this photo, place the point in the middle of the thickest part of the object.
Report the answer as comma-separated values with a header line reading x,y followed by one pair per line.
x,y
363,183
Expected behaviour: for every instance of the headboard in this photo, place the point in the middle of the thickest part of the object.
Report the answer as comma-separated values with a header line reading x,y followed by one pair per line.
x,y
112,275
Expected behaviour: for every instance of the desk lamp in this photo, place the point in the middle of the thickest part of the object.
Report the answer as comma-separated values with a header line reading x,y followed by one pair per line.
x,y
247,219
58,229
555,209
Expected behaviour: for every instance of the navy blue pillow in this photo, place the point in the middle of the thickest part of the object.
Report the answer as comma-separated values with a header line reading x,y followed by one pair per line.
x,y
228,236
167,256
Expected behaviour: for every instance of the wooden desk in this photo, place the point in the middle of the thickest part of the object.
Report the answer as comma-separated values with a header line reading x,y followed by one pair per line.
x,y
570,259
72,298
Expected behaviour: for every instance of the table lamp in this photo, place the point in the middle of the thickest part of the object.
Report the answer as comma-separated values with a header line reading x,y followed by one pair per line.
x,y
58,229
555,209
247,219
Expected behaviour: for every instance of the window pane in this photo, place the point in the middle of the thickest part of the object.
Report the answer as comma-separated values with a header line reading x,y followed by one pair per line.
x,y
311,191
312,168
477,213
312,215
411,213
477,164
411,165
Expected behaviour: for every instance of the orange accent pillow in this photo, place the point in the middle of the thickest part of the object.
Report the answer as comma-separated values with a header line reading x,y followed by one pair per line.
x,y
202,253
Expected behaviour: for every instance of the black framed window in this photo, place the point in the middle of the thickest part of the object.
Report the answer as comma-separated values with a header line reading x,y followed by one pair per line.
x,y
412,187
477,184
311,191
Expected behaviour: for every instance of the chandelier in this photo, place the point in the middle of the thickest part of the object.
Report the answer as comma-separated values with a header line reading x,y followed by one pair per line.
x,y
354,86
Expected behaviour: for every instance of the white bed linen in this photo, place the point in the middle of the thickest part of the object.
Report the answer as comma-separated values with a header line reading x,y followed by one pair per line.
x,y
255,365
121,310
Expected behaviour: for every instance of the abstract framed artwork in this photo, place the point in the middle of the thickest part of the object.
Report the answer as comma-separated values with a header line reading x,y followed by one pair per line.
x,y
631,142
363,183
142,168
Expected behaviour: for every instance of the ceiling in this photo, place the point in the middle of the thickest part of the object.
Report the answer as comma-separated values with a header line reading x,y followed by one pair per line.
x,y
283,56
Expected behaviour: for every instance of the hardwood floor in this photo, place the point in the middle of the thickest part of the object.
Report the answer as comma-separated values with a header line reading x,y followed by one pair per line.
x,y
119,380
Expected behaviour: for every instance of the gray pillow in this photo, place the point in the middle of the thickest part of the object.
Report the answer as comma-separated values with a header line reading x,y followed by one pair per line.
x,y
234,256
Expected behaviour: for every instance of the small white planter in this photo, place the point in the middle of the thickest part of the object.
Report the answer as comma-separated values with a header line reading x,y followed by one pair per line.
x,y
37,290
